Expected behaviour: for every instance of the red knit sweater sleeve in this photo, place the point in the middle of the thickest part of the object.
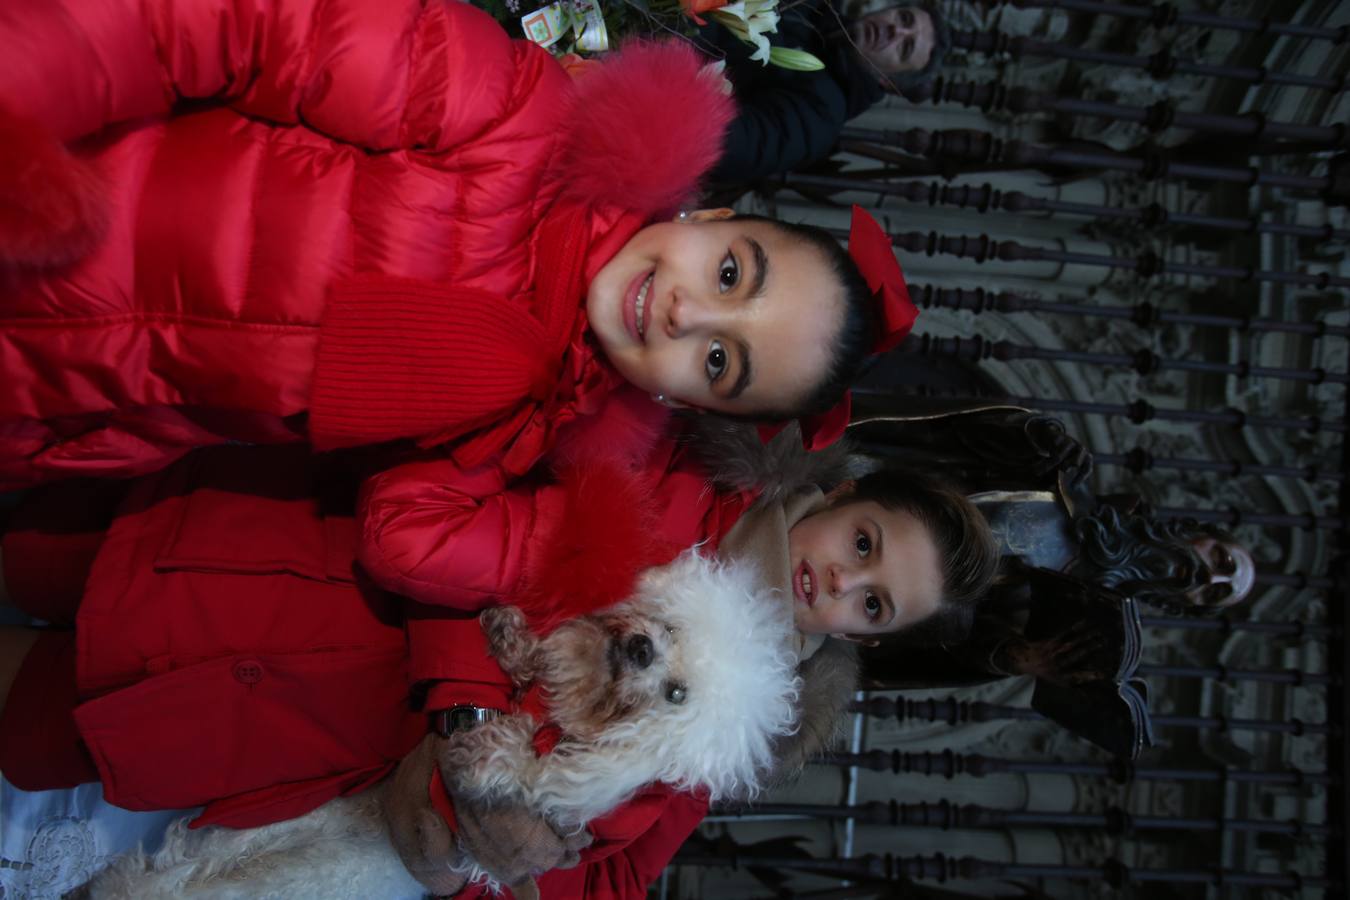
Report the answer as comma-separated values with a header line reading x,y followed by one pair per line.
x,y
404,358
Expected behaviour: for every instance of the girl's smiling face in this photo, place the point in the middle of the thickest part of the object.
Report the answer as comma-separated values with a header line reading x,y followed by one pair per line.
x,y
723,314
860,568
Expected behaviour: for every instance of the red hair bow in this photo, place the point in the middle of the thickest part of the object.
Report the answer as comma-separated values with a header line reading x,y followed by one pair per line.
x,y
872,253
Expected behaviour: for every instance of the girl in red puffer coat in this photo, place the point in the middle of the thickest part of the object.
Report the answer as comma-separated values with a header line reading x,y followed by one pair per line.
x,y
228,656
352,222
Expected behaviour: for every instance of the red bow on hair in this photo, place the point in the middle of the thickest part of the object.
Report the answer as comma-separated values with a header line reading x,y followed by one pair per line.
x,y
874,256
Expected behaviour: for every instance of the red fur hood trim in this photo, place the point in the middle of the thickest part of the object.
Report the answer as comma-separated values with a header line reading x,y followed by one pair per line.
x,y
53,206
606,536
624,430
644,128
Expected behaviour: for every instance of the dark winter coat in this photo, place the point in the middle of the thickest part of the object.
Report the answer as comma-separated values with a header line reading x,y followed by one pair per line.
x,y
788,119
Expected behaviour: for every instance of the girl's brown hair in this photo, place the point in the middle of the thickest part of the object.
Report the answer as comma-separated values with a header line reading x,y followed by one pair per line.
x,y
967,549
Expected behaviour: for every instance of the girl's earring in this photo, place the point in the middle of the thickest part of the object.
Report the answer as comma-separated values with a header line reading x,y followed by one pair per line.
x,y
659,398
683,216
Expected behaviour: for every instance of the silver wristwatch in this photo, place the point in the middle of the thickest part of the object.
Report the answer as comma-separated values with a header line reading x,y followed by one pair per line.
x,y
446,722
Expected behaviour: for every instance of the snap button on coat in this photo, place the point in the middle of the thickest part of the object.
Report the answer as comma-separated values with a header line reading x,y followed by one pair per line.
x,y
248,671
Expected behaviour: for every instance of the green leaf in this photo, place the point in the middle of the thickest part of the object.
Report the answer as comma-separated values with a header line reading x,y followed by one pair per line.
x,y
796,60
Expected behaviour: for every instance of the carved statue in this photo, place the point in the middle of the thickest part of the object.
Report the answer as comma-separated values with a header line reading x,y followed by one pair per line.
x,y
1183,567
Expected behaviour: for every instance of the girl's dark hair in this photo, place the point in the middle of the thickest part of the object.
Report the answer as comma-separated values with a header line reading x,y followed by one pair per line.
x,y
856,337
966,546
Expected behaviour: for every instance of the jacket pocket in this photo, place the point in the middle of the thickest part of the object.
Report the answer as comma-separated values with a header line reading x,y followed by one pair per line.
x,y
244,723
253,511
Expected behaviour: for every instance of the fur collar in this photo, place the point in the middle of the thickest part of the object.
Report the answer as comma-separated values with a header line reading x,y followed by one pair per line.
x,y
643,129
829,678
732,451
53,206
627,427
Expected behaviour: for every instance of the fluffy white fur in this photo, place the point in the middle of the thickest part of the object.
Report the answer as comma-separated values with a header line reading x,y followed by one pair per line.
x,y
715,632
341,851
710,630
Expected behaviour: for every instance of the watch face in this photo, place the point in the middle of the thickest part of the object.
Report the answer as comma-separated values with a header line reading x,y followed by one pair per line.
x,y
446,722
462,718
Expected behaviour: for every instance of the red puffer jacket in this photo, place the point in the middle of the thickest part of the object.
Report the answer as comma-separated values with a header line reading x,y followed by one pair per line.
x,y
379,213
229,656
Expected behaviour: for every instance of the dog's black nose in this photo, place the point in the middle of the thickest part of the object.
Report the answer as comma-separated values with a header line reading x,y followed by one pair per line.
x,y
639,648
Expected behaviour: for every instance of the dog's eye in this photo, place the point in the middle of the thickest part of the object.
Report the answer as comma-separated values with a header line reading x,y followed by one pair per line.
x,y
675,693
670,629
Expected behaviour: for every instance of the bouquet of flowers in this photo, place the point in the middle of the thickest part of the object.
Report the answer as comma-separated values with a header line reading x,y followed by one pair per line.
x,y
585,27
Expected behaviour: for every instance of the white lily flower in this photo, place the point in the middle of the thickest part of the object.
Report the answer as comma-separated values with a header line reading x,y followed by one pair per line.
x,y
759,16
750,20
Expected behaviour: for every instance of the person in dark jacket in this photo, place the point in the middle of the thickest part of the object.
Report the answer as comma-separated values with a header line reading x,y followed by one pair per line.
x,y
790,119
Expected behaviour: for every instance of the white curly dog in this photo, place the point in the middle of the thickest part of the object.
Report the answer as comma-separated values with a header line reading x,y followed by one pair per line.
x,y
689,682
